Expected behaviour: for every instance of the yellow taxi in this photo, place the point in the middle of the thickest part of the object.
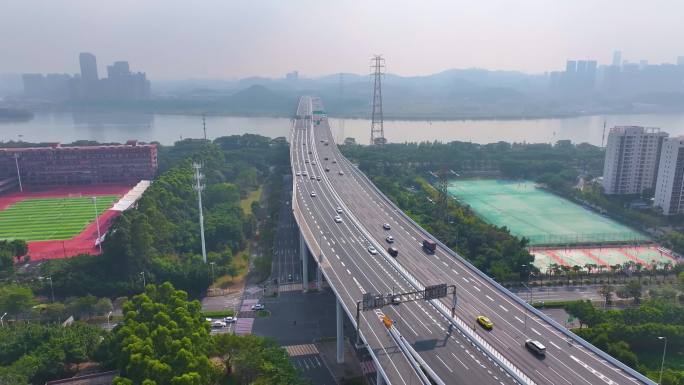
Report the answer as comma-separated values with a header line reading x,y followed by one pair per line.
x,y
485,322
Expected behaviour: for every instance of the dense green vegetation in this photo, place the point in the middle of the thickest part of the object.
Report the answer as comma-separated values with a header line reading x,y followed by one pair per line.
x,y
161,238
164,339
36,353
632,335
9,251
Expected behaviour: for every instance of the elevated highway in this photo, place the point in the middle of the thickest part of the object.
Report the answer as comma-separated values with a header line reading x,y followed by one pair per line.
x,y
446,349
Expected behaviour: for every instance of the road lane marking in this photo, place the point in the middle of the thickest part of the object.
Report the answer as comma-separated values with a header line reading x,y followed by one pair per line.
x,y
516,317
444,363
594,371
455,272
459,360
476,288
504,309
534,330
557,347
547,380
348,272
559,375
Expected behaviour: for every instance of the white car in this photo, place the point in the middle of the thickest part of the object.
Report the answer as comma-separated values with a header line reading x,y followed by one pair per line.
x,y
305,173
338,218
313,194
313,163
386,226
230,320
218,324
299,173
389,239
258,306
341,172
372,250
339,210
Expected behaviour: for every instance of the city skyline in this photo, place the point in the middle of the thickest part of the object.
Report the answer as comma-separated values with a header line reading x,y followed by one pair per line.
x,y
227,41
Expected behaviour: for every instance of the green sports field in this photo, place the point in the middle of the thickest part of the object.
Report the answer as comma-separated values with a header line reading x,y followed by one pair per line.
x,y
542,217
45,219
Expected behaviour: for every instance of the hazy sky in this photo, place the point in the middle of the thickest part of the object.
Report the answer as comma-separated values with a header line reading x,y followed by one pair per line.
x,y
172,39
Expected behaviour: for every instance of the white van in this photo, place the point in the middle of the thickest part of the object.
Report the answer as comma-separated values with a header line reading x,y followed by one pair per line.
x,y
535,346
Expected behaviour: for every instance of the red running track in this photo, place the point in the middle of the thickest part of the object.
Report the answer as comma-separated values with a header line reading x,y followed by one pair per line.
x,y
83,243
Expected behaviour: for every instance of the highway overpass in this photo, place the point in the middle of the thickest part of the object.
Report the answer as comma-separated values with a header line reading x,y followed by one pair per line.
x,y
427,342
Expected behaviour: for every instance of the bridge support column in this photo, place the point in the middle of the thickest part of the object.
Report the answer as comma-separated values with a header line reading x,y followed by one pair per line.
x,y
304,255
379,379
340,332
319,278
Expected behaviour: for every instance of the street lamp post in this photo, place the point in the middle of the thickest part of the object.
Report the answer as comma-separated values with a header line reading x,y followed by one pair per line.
x,y
142,273
662,363
529,295
97,221
16,162
52,290
212,271
109,316
2,323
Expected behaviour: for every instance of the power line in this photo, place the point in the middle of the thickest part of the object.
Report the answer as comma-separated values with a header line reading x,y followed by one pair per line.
x,y
377,129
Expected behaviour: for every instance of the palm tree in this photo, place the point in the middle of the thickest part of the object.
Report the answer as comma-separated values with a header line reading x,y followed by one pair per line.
x,y
638,267
576,270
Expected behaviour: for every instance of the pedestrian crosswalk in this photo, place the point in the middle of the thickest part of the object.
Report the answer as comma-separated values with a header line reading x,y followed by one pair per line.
x,y
367,367
301,350
290,287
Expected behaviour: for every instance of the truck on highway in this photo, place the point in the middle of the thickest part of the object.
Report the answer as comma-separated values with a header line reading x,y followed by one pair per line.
x,y
429,245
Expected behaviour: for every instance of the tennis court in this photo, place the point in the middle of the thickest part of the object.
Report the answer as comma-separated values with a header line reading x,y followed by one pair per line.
x,y
542,217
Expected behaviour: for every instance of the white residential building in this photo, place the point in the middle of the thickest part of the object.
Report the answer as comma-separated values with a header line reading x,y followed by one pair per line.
x,y
670,184
632,159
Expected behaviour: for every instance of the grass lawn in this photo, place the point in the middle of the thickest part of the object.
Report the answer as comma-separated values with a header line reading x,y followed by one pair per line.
x,y
246,204
50,218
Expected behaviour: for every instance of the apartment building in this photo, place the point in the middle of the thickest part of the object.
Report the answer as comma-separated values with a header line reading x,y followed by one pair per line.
x,y
632,159
670,183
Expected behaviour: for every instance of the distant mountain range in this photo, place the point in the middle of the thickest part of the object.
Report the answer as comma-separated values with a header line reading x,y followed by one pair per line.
x,y
451,94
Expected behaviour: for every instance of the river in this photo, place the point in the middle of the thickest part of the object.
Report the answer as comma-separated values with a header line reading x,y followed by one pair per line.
x,y
166,129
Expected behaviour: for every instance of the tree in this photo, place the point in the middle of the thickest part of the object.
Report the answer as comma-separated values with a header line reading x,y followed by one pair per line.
x,y
164,340
103,306
606,292
15,299
631,290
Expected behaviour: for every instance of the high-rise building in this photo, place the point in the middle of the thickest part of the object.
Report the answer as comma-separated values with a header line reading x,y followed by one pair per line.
x,y
88,67
669,189
570,66
617,58
680,60
632,159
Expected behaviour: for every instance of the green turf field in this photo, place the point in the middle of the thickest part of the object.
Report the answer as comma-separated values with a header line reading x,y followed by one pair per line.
x,y
50,218
542,217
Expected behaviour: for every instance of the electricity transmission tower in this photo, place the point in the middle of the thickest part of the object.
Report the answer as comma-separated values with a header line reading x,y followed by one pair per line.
x,y
377,130
199,186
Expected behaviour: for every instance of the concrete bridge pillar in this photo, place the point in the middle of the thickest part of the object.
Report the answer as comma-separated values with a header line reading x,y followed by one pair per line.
x,y
304,255
340,332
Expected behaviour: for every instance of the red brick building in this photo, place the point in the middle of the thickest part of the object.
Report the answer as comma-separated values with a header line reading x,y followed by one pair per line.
x,y
80,165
